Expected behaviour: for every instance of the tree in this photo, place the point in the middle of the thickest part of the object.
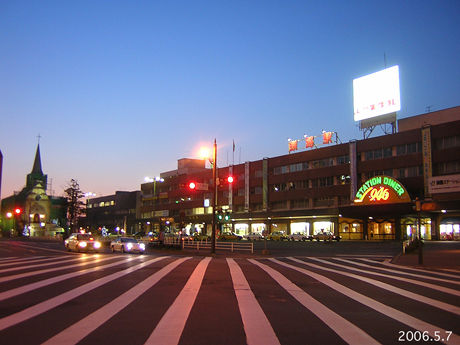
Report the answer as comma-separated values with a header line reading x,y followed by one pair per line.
x,y
75,205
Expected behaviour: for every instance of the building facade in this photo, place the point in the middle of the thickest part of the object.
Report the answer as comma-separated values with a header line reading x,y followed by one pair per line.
x,y
114,213
316,190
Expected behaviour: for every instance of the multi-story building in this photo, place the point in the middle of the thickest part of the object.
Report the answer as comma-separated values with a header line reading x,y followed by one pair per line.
x,y
385,187
114,213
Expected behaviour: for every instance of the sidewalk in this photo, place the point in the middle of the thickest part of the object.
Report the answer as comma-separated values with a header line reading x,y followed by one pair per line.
x,y
445,256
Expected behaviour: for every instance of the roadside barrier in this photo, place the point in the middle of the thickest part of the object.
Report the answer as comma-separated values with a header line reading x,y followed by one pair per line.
x,y
206,245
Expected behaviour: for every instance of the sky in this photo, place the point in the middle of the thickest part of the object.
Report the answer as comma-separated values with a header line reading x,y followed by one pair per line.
x,y
120,90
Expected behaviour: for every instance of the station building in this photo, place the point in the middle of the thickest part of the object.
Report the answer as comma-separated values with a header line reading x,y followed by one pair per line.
x,y
387,187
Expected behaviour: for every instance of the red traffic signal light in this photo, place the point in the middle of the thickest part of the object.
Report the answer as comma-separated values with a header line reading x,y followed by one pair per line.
x,y
17,211
192,185
230,179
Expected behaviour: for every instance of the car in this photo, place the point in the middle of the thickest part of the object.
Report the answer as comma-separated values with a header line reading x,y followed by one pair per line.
x,y
200,237
82,243
325,236
277,236
229,236
253,236
298,237
128,245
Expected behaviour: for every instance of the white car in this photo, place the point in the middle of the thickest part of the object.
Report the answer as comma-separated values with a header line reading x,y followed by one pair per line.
x,y
298,237
128,245
253,236
82,243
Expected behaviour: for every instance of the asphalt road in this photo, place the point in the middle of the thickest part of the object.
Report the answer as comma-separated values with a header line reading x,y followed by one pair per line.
x,y
336,294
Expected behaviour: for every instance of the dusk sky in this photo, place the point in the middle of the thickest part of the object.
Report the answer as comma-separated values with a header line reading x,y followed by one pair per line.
x,y
120,90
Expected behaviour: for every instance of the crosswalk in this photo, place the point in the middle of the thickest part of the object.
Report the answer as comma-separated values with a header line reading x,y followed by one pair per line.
x,y
144,299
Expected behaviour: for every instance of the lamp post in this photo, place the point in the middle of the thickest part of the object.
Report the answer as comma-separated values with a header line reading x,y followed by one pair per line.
x,y
155,199
214,198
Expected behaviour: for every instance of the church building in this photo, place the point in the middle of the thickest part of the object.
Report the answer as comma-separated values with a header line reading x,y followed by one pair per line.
x,y
32,212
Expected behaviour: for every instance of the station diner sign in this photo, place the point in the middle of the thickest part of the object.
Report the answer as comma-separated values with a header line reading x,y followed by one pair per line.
x,y
381,190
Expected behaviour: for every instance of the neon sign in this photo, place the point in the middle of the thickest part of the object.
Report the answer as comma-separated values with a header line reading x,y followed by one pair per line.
x,y
381,190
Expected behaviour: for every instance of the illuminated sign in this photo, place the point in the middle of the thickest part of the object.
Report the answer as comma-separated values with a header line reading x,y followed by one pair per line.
x,y
381,190
376,94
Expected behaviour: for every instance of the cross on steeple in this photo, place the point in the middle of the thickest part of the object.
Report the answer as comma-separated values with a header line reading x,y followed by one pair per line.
x,y
39,136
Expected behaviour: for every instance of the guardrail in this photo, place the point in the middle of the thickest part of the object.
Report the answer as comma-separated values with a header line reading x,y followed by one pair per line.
x,y
206,245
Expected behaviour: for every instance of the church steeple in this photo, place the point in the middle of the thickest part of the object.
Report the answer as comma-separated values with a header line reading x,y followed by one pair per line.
x,y
36,176
37,168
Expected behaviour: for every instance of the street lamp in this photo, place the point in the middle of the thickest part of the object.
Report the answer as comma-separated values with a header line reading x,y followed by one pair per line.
x,y
204,154
214,199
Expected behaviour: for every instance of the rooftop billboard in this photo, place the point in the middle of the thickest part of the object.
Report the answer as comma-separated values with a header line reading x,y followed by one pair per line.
x,y
376,94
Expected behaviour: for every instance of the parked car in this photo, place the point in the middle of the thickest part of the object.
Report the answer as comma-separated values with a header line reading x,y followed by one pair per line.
x,y
200,237
253,236
298,237
325,236
128,245
229,236
82,243
277,236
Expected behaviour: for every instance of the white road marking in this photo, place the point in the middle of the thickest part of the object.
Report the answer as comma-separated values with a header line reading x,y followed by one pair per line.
x,y
39,263
171,325
405,293
32,286
407,280
342,327
82,328
373,304
417,275
420,270
256,325
60,268
51,303
16,260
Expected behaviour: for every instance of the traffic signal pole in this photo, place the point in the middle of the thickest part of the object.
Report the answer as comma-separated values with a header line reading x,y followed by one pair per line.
x,y
214,198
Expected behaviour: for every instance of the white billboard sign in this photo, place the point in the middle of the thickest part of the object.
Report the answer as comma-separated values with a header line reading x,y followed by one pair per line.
x,y
376,94
444,184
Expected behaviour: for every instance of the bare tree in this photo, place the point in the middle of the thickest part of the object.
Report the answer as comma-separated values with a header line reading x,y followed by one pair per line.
x,y
75,205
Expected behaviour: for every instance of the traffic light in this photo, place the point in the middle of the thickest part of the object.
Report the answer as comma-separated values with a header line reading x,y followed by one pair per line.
x,y
223,216
230,179
17,211
192,185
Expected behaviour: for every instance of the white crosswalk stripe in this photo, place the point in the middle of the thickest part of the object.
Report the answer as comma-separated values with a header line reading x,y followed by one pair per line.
x,y
260,288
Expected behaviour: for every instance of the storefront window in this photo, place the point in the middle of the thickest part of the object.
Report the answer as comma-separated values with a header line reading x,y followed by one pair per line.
x,y
228,228
300,228
450,231
411,228
241,229
257,228
319,227
350,231
280,227
381,231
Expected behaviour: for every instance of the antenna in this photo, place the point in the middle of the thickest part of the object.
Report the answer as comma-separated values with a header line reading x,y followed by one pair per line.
x,y
385,59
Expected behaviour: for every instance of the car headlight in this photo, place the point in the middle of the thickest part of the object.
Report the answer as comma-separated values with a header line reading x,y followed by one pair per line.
x,y
129,246
97,244
142,246
82,244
